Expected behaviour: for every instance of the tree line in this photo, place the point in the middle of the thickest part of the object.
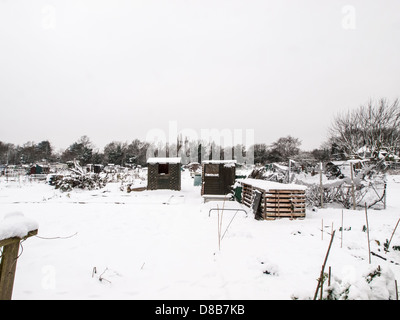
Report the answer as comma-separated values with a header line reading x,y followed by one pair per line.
x,y
373,128
135,152
82,150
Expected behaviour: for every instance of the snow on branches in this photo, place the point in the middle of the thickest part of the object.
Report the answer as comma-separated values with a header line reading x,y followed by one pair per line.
x,y
78,178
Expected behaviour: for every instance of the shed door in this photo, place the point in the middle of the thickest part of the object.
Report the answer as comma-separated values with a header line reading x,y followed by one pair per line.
x,y
213,182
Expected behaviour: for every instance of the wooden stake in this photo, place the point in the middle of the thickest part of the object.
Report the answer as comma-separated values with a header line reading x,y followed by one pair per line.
x,y
397,292
321,291
8,264
321,189
352,186
329,277
321,277
220,226
384,197
341,239
322,229
369,248
219,233
393,234
7,270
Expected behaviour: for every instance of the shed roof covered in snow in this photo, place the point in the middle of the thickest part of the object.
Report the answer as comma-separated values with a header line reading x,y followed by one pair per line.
x,y
164,160
218,161
226,163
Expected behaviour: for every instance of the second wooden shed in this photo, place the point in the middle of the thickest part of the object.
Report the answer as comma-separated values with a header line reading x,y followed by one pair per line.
x,y
218,177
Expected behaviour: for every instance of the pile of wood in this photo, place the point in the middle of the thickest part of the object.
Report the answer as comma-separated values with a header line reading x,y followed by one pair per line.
x,y
271,200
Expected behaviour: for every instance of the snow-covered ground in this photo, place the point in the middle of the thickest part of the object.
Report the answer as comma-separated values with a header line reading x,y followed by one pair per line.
x,y
108,244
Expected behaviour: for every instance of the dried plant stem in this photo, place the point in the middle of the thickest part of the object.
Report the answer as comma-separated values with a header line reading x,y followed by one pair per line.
x,y
229,224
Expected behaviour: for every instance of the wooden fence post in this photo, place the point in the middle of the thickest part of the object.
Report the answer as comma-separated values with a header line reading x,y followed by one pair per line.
x,y
369,246
8,264
384,196
353,196
321,187
7,269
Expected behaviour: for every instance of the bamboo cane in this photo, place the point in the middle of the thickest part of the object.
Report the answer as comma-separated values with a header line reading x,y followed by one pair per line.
x,y
320,280
384,197
229,225
321,188
341,239
322,229
393,233
218,231
352,186
369,247
329,276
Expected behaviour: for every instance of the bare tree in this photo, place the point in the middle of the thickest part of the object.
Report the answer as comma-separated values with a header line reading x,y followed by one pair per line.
x,y
286,147
81,150
136,152
372,128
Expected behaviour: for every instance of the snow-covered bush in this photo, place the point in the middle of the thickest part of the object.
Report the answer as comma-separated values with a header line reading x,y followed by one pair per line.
x,y
369,188
368,283
374,284
77,178
89,182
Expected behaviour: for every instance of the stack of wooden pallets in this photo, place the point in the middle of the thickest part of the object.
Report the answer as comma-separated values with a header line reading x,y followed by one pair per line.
x,y
275,200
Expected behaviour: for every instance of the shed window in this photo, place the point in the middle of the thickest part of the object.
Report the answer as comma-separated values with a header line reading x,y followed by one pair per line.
x,y
212,170
163,168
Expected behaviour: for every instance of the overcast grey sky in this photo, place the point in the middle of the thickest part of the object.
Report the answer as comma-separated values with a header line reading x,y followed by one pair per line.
x,y
113,70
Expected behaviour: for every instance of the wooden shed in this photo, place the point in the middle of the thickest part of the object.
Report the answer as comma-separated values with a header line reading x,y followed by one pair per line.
x,y
218,177
271,200
164,173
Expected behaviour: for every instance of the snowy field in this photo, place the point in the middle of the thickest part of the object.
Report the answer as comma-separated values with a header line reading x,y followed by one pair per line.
x,y
108,244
